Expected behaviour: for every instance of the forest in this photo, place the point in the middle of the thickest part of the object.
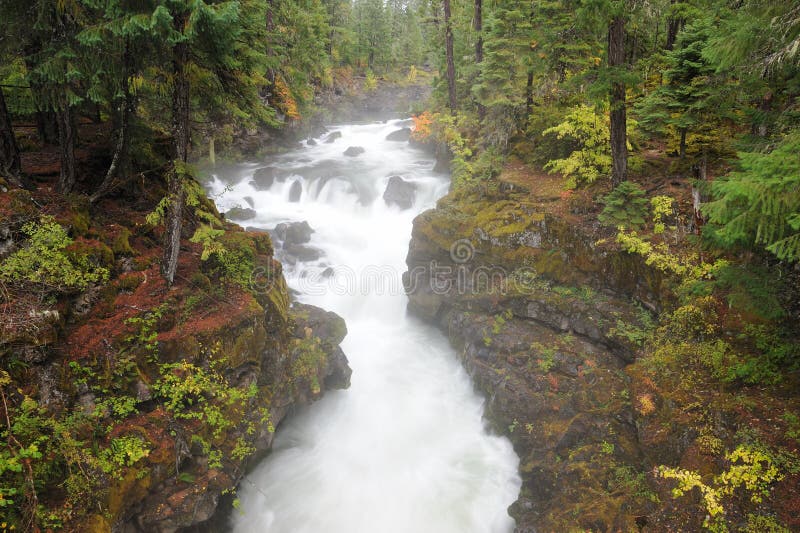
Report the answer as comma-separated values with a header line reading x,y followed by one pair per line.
x,y
668,130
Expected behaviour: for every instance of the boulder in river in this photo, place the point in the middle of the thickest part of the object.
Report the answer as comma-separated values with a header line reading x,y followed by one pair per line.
x,y
311,142
399,192
240,213
401,135
295,192
264,178
294,232
301,252
353,151
333,136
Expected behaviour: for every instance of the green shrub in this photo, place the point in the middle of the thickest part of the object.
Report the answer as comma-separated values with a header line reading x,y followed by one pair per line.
x,y
662,208
751,469
45,260
591,158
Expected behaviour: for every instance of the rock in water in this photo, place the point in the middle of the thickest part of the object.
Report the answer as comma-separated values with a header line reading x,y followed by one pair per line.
x,y
295,192
401,135
333,136
399,192
294,232
302,253
311,142
353,151
264,178
240,213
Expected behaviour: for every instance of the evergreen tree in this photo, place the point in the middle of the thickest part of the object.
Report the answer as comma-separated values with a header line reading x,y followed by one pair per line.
x,y
501,86
690,95
760,203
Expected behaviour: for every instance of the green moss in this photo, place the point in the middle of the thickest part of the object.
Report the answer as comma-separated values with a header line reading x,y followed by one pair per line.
x,y
79,223
129,283
142,263
278,299
121,246
200,281
96,252
309,360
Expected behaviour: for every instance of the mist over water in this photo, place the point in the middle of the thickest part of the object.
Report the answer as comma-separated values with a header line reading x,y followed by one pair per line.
x,y
404,449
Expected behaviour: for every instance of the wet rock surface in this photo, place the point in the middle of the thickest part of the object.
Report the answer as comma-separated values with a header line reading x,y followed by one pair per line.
x,y
401,135
399,192
293,232
264,178
240,213
332,137
294,237
353,151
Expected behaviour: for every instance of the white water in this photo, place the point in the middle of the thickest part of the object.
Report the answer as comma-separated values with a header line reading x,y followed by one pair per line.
x,y
404,449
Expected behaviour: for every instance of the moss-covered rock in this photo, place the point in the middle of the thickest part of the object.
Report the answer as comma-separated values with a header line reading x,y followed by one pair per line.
x,y
542,318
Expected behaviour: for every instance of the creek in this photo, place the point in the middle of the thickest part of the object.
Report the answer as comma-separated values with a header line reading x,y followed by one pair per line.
x,y
405,448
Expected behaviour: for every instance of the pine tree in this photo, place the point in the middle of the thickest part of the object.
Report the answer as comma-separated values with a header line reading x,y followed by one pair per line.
x,y
690,96
501,85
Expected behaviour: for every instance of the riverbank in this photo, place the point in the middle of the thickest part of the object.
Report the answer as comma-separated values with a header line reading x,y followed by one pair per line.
x,y
557,324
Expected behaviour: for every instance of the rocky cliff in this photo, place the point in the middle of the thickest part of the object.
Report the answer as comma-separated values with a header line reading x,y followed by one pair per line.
x,y
134,406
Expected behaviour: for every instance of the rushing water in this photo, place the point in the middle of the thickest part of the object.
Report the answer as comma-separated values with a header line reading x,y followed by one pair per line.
x,y
404,449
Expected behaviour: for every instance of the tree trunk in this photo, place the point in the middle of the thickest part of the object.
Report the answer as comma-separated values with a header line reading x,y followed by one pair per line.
x,y
528,96
269,21
126,110
451,66
674,25
10,166
172,236
682,145
66,144
619,140
47,126
700,176
180,103
180,134
478,27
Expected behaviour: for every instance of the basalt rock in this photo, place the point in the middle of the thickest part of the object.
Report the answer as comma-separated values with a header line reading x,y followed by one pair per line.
x,y
401,135
536,313
293,232
332,137
296,363
264,178
353,151
240,213
399,192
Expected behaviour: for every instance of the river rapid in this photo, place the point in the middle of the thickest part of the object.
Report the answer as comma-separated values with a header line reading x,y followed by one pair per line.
x,y
405,448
